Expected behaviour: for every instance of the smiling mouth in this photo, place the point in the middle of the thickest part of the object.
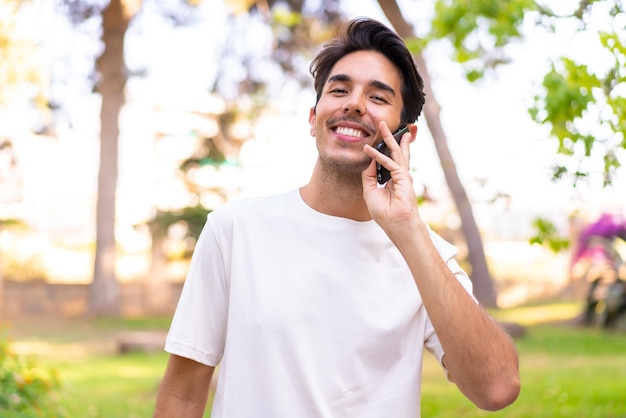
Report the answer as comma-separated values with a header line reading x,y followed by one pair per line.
x,y
354,133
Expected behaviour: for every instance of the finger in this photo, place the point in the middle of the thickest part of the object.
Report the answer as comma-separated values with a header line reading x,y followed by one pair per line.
x,y
387,136
398,147
407,139
368,176
379,157
382,159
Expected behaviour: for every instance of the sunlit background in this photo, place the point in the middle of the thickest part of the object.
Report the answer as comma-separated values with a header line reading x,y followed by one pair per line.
x,y
503,157
183,82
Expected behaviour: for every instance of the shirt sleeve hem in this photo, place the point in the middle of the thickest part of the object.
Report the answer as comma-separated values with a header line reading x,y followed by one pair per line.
x,y
192,353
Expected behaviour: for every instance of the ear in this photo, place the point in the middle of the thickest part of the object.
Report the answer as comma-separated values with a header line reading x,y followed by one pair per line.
x,y
312,121
413,130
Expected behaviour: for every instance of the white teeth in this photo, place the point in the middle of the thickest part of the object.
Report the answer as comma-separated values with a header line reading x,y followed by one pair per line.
x,y
350,132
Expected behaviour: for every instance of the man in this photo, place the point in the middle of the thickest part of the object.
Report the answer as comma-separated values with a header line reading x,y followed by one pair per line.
x,y
319,302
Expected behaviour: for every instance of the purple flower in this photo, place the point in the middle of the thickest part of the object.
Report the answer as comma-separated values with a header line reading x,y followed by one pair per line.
x,y
604,230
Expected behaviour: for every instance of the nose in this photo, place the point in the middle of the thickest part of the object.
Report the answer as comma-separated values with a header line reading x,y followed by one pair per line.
x,y
354,104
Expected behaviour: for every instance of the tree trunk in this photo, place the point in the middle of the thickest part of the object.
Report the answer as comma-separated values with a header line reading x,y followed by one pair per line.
x,y
481,278
105,289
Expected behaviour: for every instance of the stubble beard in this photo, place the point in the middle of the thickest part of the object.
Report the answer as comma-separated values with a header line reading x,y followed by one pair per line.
x,y
344,174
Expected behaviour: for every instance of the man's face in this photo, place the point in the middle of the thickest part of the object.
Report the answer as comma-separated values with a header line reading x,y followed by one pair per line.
x,y
363,88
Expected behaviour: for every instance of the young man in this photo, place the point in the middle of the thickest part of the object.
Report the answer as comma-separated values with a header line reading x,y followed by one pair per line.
x,y
319,302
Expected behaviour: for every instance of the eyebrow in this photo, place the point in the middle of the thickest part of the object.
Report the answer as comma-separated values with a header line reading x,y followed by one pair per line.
x,y
376,83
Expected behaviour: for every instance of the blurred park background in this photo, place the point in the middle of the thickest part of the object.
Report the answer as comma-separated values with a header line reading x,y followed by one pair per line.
x,y
124,122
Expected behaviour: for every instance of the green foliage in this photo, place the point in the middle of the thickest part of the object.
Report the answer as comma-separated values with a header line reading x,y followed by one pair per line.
x,y
568,97
478,30
547,234
285,17
570,94
25,387
415,45
190,220
586,110
193,216
10,222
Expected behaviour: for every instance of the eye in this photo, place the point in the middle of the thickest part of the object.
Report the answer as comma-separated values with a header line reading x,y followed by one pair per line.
x,y
338,90
380,99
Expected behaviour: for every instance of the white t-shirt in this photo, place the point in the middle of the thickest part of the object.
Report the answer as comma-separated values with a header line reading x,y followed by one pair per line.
x,y
307,315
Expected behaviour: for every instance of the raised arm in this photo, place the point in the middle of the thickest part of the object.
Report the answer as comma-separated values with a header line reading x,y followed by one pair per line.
x,y
184,390
480,357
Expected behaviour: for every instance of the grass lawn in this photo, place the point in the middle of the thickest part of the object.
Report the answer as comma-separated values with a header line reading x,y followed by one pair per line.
x,y
566,371
111,385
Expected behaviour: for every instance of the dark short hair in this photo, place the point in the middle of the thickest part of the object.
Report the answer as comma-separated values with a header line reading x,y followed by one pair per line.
x,y
364,34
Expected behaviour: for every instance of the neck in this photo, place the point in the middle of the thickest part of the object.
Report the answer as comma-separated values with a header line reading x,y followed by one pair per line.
x,y
336,195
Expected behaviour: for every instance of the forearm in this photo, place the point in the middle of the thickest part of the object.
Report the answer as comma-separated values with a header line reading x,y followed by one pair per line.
x,y
480,356
184,391
169,405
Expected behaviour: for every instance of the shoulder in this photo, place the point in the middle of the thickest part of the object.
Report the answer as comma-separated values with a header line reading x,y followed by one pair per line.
x,y
257,207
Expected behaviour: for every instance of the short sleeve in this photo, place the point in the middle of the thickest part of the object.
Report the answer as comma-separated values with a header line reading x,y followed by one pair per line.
x,y
198,327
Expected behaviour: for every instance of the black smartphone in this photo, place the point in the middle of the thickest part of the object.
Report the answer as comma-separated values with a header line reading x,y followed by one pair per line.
x,y
382,174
